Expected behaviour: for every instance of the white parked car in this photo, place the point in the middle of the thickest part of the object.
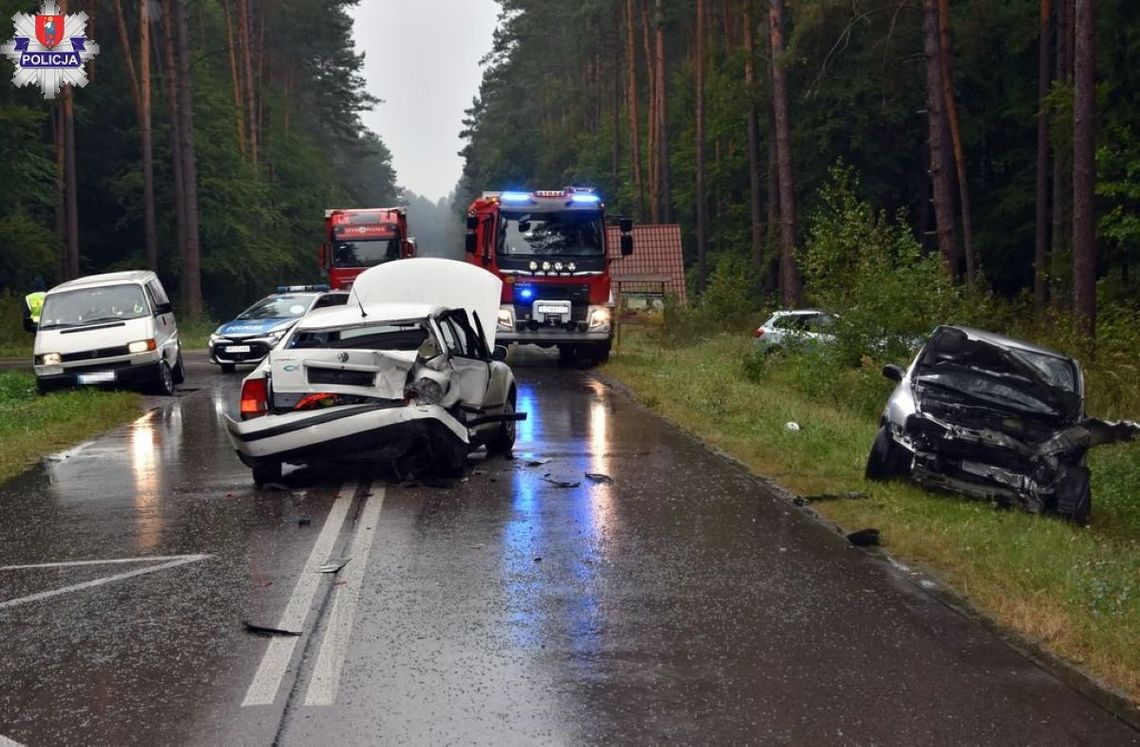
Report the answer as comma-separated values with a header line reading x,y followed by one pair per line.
x,y
796,329
407,368
115,329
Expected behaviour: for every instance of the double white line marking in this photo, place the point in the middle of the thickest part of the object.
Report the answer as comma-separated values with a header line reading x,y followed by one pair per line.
x,y
330,660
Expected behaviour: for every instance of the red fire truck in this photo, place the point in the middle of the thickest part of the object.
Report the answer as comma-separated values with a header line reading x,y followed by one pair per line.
x,y
358,239
549,248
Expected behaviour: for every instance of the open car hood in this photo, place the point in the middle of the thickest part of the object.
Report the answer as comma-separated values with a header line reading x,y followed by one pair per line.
x,y
435,282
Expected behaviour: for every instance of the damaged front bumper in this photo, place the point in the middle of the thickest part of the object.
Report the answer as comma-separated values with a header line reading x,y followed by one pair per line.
x,y
1039,476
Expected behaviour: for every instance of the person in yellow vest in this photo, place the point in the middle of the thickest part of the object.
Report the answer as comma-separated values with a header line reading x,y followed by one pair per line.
x,y
33,305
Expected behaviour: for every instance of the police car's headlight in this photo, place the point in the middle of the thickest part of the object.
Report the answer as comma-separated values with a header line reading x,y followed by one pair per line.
x,y
51,359
506,318
275,337
599,317
214,338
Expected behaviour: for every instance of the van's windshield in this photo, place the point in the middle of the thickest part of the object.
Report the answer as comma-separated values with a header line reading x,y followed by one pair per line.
x,y
83,306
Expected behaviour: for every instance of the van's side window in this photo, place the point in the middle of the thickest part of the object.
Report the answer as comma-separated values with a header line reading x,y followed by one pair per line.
x,y
151,297
158,291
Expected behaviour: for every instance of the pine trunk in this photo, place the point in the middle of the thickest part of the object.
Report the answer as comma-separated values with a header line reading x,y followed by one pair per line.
x,y
701,199
191,263
1084,171
754,171
71,186
936,120
178,186
150,222
1041,239
666,195
246,41
1061,259
651,76
235,78
789,272
631,104
946,62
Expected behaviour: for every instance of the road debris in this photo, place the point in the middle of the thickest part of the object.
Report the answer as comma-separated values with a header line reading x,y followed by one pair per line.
x,y
791,425
560,483
598,477
864,537
536,461
334,565
266,631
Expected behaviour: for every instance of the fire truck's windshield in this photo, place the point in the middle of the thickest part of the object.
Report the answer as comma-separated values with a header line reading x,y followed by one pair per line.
x,y
568,234
365,253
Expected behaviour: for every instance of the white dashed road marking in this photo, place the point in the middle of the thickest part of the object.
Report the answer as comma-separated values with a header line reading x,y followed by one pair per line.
x,y
263,689
334,646
172,561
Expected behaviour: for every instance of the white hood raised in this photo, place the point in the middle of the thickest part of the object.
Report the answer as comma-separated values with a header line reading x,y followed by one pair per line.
x,y
435,282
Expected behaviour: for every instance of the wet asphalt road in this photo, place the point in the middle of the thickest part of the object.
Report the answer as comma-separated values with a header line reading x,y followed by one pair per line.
x,y
679,603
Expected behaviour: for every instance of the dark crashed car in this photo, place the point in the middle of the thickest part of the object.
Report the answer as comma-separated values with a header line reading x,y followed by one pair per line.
x,y
995,418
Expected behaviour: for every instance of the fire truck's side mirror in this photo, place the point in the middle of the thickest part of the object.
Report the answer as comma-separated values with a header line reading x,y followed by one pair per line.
x,y
324,255
626,245
625,224
469,240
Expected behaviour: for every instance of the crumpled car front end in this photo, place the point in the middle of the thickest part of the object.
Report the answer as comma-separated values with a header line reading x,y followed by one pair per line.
x,y
993,418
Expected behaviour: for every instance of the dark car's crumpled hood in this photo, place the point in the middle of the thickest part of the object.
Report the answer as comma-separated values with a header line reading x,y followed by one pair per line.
x,y
954,367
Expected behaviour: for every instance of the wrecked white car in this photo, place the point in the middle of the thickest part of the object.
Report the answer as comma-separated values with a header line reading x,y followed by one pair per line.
x,y
994,418
407,370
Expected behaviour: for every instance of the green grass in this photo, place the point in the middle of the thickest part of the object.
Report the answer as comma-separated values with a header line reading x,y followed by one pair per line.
x,y
1073,590
32,426
195,333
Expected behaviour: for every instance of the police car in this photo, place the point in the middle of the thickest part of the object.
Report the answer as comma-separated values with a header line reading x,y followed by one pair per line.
x,y
250,336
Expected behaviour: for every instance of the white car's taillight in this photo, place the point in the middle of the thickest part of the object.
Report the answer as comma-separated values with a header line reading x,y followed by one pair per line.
x,y
254,398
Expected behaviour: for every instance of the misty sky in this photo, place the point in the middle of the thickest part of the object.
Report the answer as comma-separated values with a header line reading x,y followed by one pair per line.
x,y
422,59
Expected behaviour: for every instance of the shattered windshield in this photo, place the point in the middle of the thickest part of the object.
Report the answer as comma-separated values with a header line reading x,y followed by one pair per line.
x,y
402,335
560,234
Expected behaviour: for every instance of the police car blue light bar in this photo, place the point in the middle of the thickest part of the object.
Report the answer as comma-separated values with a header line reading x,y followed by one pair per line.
x,y
585,198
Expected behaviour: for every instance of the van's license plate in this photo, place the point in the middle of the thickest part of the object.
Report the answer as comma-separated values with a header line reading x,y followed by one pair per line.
x,y
237,349
98,377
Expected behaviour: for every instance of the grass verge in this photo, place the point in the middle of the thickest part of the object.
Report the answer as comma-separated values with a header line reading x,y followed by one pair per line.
x,y
1073,590
32,426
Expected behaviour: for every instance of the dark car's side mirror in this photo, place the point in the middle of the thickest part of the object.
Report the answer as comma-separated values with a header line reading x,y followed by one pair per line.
x,y
893,372
500,353
163,308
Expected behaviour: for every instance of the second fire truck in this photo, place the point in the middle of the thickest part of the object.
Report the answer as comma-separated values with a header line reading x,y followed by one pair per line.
x,y
361,238
550,249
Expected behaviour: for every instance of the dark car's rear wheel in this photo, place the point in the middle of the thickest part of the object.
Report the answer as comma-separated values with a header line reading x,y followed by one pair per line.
x,y
266,472
887,459
1074,500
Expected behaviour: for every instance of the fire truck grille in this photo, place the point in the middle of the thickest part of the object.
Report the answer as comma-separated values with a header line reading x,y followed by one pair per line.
x,y
577,295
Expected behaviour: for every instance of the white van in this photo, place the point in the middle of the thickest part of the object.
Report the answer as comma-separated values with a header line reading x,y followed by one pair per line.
x,y
115,329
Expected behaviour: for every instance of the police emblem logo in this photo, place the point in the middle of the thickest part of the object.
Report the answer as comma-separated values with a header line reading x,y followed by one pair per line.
x,y
50,49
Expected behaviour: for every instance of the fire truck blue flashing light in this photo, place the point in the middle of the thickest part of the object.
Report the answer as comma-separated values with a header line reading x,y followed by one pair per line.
x,y
515,197
585,198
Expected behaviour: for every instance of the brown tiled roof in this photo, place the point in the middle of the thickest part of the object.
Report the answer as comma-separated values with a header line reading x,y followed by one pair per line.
x,y
656,252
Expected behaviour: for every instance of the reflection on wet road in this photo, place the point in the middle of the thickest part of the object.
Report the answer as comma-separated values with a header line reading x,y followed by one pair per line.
x,y
666,598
